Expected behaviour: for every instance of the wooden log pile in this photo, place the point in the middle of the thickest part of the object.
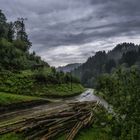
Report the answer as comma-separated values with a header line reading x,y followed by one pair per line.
x,y
50,125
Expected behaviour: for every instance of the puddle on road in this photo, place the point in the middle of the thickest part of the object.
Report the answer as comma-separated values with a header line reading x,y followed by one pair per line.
x,y
88,95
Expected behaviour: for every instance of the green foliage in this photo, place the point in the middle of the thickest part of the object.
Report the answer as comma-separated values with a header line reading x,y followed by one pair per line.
x,y
101,62
19,44
122,90
21,33
110,64
129,58
12,56
91,69
51,76
7,98
2,25
94,133
11,31
11,136
106,84
14,46
61,90
15,57
27,83
2,18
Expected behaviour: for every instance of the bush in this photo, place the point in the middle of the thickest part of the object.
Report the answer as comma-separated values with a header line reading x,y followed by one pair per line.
x,y
122,90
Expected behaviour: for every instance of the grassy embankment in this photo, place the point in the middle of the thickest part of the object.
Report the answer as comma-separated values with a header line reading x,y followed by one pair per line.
x,y
24,83
11,136
7,98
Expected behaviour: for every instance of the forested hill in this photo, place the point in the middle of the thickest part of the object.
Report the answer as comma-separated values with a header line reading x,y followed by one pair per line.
x,y
125,54
15,45
22,72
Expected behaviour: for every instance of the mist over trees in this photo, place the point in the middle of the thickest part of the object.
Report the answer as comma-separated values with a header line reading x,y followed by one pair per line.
x,y
125,54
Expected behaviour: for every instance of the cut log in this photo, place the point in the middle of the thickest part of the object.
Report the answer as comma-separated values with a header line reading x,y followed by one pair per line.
x,y
48,125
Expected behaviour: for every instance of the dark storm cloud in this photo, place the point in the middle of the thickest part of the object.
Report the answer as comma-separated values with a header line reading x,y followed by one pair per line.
x,y
65,31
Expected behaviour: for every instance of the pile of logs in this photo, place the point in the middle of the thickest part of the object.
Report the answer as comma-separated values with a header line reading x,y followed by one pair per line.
x,y
51,125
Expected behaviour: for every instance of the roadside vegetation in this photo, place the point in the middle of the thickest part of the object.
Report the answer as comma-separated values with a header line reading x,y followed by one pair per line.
x,y
44,82
11,136
121,89
7,98
23,72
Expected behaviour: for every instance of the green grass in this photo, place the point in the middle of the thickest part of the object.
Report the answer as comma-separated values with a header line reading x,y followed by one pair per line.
x,y
66,89
7,98
30,72
92,133
11,136
23,83
62,90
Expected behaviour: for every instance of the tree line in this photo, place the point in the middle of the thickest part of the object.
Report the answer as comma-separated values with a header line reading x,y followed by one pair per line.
x,y
15,56
125,54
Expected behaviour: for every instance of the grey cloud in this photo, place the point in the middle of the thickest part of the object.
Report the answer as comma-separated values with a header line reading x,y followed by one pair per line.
x,y
56,24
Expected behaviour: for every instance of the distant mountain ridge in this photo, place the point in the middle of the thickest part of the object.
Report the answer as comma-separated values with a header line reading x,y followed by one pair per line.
x,y
69,67
126,54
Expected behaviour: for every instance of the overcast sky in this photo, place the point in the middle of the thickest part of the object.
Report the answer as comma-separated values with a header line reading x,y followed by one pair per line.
x,y
69,31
